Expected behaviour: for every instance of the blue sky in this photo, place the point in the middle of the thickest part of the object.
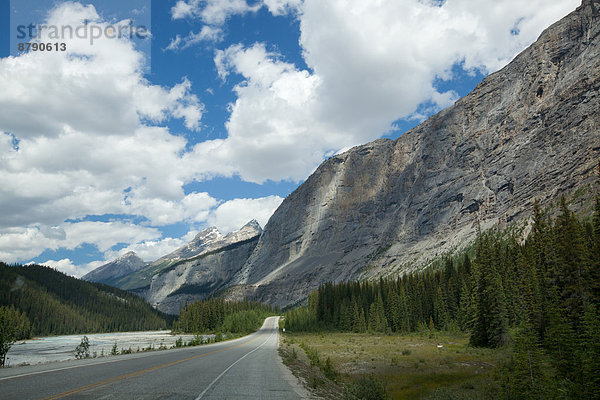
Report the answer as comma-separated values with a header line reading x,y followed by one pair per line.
x,y
137,145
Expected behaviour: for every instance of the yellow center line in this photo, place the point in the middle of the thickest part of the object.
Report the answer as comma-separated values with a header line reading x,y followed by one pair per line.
x,y
143,371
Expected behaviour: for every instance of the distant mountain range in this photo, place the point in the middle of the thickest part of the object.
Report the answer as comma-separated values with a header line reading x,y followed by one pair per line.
x,y
529,131
199,269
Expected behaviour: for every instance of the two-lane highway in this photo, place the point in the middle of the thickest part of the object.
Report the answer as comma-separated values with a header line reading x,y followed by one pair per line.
x,y
245,368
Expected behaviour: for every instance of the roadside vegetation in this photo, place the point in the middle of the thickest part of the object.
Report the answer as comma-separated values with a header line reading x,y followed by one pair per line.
x,y
515,319
421,365
219,316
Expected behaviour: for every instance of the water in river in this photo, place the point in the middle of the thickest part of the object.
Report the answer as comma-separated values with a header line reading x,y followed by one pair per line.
x,y
61,348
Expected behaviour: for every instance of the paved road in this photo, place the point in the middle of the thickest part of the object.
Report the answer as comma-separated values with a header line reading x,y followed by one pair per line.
x,y
245,368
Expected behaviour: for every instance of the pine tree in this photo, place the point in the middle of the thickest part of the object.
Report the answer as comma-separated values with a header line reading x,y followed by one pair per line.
x,y
572,269
355,317
591,353
405,322
362,322
595,255
490,325
529,376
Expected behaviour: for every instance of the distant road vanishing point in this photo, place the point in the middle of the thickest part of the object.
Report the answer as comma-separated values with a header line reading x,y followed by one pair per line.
x,y
245,368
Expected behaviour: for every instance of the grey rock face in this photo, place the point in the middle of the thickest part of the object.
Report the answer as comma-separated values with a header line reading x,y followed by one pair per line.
x,y
109,273
530,131
208,240
206,273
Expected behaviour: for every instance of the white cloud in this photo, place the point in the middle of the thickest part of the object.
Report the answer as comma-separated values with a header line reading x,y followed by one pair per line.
x,y
79,134
183,9
66,266
274,118
282,7
17,244
370,64
232,215
213,12
77,138
80,119
207,34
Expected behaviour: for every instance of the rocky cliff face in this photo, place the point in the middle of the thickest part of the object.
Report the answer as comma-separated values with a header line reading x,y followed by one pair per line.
x,y
531,130
207,240
204,274
109,273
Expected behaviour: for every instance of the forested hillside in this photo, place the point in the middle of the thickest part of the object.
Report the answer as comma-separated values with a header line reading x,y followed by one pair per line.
x,y
539,297
57,304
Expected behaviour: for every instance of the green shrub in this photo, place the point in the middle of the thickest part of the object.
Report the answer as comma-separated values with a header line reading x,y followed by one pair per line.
x,y
366,388
114,351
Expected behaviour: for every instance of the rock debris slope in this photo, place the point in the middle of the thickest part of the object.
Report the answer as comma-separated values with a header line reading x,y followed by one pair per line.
x,y
528,131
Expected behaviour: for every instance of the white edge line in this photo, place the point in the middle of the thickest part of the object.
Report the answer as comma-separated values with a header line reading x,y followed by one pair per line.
x,y
231,366
57,369
100,363
95,363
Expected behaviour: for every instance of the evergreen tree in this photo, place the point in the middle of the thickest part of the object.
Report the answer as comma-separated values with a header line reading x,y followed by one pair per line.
x,y
591,352
362,322
490,325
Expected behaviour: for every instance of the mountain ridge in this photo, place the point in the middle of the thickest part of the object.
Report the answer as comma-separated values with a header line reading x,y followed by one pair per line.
x,y
529,131
196,270
109,273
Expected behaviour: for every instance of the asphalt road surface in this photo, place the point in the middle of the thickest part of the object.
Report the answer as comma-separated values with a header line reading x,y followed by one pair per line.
x,y
245,368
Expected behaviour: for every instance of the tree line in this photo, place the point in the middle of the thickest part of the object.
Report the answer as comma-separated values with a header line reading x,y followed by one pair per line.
x,y
539,297
219,315
57,304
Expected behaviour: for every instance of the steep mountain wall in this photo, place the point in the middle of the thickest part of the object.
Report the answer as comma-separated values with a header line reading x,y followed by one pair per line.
x,y
530,131
204,274
198,278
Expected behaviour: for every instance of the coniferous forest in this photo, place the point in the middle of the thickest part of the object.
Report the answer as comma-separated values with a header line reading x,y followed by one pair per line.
x,y
57,304
218,315
538,298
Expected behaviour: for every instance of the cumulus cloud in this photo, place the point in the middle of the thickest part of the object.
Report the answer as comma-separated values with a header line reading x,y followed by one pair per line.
x,y
76,134
17,244
274,118
80,135
80,131
370,64
232,215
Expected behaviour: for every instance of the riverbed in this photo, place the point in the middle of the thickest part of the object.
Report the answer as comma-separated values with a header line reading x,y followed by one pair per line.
x,y
61,348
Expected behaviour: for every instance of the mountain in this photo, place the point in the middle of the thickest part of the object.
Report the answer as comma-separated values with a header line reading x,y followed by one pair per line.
x,y
57,304
529,131
208,239
109,273
197,270
203,275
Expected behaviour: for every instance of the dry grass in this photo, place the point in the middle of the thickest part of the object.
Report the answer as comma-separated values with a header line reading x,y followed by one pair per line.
x,y
411,367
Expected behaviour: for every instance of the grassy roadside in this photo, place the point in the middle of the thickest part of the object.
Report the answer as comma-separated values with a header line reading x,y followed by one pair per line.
x,y
441,366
